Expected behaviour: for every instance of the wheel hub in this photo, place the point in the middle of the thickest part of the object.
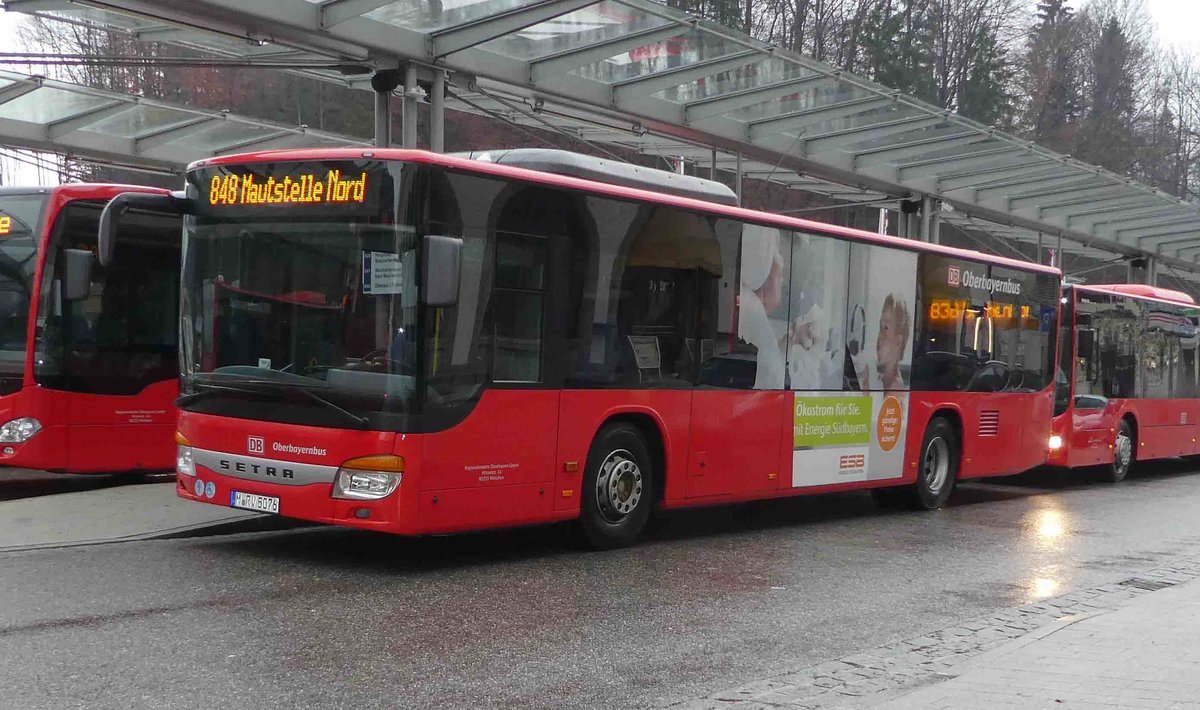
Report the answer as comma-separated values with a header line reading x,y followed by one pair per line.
x,y
618,486
936,468
1124,449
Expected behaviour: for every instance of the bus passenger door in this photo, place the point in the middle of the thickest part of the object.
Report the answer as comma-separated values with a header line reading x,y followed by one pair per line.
x,y
110,342
739,407
735,442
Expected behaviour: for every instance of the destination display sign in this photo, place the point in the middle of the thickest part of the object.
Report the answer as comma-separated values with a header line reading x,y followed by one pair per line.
x,y
335,188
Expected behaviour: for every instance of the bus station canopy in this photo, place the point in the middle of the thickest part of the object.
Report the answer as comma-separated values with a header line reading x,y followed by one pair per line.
x,y
55,116
640,75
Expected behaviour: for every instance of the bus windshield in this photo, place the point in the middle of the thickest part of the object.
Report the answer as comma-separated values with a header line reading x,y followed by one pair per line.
x,y
20,216
300,314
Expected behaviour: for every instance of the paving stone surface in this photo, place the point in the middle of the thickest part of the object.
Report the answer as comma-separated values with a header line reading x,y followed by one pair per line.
x,y
1131,644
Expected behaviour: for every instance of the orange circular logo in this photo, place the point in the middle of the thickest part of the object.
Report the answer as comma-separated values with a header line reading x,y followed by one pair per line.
x,y
887,426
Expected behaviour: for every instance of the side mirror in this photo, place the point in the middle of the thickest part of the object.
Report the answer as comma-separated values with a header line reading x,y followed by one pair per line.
x,y
174,204
76,274
440,270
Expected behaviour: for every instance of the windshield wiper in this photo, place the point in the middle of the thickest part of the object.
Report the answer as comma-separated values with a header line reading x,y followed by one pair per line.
x,y
267,387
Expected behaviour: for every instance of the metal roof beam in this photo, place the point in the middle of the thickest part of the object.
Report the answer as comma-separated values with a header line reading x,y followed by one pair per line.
x,y
896,152
245,143
667,78
476,32
1185,252
18,89
927,168
838,139
1166,235
335,12
1072,186
1147,227
999,171
1091,197
555,65
722,104
43,5
1131,205
1043,178
1157,243
817,114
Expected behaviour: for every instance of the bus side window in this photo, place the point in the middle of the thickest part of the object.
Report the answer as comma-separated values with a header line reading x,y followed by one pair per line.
x,y
1086,354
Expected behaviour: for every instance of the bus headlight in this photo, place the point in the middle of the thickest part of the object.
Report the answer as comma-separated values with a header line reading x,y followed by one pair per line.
x,y
1055,442
184,463
18,431
368,478
183,460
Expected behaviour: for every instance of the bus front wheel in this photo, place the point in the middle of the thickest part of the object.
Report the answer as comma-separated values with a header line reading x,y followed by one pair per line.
x,y
1123,454
617,488
937,470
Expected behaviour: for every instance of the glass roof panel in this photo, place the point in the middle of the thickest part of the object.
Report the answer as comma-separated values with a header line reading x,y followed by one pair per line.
x,y
749,76
137,120
206,41
92,16
863,119
425,16
806,97
226,133
607,20
677,52
46,105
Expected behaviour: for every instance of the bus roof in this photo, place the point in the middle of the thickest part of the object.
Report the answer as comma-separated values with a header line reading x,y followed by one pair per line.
x,y
491,168
1145,291
79,190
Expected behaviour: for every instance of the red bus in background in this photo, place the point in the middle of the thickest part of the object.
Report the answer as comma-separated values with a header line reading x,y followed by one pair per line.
x,y
88,354
1128,377
418,343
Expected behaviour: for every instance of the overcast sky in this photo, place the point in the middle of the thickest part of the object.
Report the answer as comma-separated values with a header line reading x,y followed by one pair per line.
x,y
1177,21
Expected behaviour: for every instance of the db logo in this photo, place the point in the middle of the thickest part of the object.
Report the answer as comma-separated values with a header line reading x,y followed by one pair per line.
x,y
254,444
953,277
852,461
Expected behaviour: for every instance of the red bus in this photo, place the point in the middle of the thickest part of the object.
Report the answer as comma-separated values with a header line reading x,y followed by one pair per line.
x,y
1127,381
88,353
418,343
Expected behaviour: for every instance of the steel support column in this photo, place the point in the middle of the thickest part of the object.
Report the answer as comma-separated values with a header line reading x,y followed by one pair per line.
x,y
383,83
739,180
408,121
926,218
437,113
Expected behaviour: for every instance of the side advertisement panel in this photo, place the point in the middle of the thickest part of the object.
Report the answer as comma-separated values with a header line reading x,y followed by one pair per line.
x,y
849,420
847,438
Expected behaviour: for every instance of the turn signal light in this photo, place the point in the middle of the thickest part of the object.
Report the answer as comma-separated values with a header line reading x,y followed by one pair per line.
x,y
1056,442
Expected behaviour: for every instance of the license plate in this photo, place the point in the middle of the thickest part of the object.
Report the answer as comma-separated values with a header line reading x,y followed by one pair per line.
x,y
253,501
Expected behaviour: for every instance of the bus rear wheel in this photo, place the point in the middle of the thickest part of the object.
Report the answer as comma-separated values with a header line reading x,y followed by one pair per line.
x,y
617,488
937,470
1123,454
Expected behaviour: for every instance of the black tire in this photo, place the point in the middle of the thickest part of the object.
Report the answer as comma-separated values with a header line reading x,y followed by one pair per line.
x,y
1124,454
618,488
937,472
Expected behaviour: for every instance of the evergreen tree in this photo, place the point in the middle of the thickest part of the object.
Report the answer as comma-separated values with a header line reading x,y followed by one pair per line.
x,y
985,95
1106,137
1052,77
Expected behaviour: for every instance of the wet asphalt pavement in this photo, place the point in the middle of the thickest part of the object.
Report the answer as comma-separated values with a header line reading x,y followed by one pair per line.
x,y
318,617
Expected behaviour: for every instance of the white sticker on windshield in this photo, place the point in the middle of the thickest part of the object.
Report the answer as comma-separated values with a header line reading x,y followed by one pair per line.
x,y
382,273
264,362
